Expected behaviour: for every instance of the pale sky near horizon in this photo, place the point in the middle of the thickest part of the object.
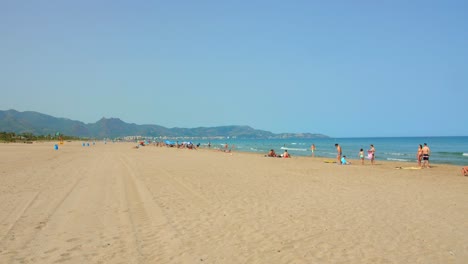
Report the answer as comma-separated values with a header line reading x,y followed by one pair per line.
x,y
341,68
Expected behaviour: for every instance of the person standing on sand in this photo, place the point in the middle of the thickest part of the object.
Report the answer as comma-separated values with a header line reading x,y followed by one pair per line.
x,y
372,151
338,153
426,152
312,148
361,156
419,155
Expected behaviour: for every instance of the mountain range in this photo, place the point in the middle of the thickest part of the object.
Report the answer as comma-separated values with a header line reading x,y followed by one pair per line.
x,y
42,124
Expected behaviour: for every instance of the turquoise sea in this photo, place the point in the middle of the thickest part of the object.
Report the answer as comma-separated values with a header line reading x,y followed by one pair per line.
x,y
444,150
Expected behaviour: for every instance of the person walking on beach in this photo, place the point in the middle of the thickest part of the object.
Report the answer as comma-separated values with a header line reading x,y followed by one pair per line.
x,y
372,154
338,153
419,155
361,156
312,148
426,152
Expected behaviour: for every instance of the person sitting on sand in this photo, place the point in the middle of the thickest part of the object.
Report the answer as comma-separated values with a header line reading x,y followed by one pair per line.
x,y
272,153
465,171
344,161
286,154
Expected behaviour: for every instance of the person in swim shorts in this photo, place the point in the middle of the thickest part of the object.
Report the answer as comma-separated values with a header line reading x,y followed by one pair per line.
x,y
426,152
338,153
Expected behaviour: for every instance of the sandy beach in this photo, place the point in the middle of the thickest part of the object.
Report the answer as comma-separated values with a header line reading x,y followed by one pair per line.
x,y
112,203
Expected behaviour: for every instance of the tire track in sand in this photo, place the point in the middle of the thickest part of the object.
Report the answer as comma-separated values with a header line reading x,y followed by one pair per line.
x,y
152,241
38,208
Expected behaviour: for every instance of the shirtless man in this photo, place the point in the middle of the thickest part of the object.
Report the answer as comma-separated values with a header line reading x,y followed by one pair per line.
x,y
465,171
338,153
426,152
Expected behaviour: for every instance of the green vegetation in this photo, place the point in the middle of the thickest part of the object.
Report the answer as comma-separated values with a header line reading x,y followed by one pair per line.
x,y
28,137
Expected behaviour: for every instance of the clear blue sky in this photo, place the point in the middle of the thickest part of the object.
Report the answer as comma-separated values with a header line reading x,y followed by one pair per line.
x,y
341,68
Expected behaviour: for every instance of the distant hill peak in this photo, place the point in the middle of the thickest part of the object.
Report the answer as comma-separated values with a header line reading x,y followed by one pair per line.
x,y
112,119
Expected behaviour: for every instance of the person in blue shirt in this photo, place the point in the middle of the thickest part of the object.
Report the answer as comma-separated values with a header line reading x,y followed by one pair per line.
x,y
344,161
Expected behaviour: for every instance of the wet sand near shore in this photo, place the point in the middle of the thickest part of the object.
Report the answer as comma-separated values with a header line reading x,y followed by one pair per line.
x,y
112,203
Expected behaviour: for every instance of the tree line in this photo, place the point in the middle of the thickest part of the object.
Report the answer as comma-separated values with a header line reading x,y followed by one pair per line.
x,y
27,137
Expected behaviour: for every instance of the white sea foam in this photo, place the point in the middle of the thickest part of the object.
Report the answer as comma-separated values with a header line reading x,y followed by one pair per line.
x,y
395,154
465,154
392,159
295,149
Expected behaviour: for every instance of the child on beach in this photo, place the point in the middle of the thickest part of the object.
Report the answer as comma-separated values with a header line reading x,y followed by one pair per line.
x,y
344,161
361,156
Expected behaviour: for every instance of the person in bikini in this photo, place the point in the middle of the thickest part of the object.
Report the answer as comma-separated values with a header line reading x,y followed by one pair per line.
x,y
372,151
419,155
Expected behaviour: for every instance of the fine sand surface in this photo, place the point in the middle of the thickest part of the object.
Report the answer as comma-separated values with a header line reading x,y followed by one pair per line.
x,y
112,203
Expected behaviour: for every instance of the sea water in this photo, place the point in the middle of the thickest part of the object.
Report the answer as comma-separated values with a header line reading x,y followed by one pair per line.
x,y
444,150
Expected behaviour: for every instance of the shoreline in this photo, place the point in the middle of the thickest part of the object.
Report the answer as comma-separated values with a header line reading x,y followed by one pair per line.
x,y
323,159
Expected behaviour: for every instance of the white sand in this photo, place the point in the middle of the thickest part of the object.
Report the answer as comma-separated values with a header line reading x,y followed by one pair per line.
x,y
116,204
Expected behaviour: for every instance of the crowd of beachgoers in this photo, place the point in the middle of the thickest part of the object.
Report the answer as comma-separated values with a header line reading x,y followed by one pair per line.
x,y
422,154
